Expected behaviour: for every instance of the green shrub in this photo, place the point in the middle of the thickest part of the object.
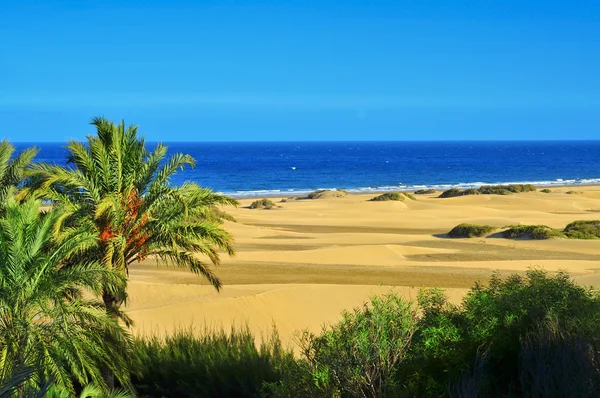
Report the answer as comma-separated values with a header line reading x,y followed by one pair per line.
x,y
425,191
470,231
489,190
589,229
451,193
545,190
358,356
327,193
518,337
263,204
214,364
572,192
531,232
388,196
409,195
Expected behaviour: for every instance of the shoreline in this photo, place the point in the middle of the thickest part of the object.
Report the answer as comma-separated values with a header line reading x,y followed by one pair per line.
x,y
376,190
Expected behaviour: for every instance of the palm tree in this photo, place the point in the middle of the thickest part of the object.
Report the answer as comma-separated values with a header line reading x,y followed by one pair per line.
x,y
12,171
48,323
122,192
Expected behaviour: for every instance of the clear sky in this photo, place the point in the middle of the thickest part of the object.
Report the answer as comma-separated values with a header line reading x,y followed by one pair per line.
x,y
302,70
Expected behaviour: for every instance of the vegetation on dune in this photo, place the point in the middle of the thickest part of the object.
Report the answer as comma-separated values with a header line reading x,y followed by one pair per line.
x,y
209,364
327,193
531,232
470,231
398,196
572,192
588,229
263,204
48,325
425,191
488,190
545,190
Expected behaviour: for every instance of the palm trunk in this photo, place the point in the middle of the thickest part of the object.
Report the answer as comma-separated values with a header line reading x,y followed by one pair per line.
x,y
110,303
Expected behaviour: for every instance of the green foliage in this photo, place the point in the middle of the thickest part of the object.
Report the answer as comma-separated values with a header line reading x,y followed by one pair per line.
x,y
122,193
588,229
531,232
389,196
409,195
545,190
572,192
499,337
13,170
48,323
360,355
327,193
211,364
489,190
425,191
263,204
470,231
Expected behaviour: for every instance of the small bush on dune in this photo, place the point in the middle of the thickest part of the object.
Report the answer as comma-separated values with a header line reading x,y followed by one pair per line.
x,y
425,191
488,190
388,196
327,193
214,364
399,196
531,232
470,231
266,204
589,229
545,190
572,192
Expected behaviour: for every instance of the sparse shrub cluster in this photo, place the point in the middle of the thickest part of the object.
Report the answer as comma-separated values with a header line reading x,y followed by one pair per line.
x,y
425,191
588,229
266,204
545,190
470,231
531,232
488,190
399,196
572,192
327,193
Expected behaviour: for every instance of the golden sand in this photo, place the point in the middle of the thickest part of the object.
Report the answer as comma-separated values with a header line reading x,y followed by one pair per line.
x,y
300,265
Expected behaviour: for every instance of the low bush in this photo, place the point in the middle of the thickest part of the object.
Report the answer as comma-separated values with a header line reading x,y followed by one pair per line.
x,y
522,336
425,191
399,196
357,357
588,229
531,232
545,190
266,204
489,190
470,231
572,192
327,193
388,196
212,364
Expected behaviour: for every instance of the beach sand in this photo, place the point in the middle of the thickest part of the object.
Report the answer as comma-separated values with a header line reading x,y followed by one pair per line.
x,y
300,265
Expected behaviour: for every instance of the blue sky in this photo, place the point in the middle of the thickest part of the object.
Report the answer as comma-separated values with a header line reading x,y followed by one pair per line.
x,y
302,70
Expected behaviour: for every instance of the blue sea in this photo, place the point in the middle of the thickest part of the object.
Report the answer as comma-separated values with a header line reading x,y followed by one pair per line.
x,y
247,169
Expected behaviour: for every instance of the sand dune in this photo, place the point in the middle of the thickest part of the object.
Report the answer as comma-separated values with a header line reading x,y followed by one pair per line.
x,y
300,265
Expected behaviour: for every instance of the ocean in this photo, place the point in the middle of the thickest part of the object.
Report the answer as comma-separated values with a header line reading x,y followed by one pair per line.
x,y
247,169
